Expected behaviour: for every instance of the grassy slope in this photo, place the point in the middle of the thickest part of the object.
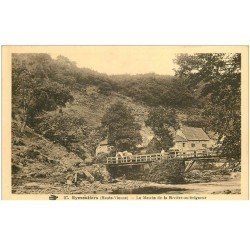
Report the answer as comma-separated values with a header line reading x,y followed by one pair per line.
x,y
92,105
41,162
38,161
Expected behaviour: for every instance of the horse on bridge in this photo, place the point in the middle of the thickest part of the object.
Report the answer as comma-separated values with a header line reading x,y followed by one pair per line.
x,y
121,155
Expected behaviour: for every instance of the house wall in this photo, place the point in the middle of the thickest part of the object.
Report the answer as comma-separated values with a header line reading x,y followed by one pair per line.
x,y
102,149
198,145
188,144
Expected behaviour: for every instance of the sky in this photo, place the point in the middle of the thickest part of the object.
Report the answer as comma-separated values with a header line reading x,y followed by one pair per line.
x,y
123,59
114,59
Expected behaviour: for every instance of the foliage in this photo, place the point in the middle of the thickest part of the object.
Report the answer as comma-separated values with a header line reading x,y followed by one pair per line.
x,y
100,173
40,83
33,90
167,171
64,71
122,130
48,97
196,119
154,146
105,88
154,90
161,120
65,129
220,78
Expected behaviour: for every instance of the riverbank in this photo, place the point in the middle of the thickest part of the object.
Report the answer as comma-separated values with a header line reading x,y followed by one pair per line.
x,y
231,186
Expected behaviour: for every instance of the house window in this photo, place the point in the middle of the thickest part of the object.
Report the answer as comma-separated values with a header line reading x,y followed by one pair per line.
x,y
183,145
204,145
192,145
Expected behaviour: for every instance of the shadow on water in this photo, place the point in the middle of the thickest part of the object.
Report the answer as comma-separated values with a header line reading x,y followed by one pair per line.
x,y
150,190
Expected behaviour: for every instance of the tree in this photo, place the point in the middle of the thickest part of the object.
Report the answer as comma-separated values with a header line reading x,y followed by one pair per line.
x,y
161,120
154,90
218,76
177,95
33,91
48,97
122,129
105,88
65,71
62,128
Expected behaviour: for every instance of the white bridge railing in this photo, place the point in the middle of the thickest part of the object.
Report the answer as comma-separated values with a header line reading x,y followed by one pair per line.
x,y
156,157
134,159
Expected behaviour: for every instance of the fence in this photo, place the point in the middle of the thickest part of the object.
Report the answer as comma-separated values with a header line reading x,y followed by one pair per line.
x,y
156,157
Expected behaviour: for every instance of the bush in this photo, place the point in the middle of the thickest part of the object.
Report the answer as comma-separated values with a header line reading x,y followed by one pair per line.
x,y
105,88
168,171
62,128
100,173
101,158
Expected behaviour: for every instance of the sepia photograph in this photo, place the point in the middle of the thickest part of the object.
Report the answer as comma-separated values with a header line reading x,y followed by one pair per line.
x,y
124,125
121,122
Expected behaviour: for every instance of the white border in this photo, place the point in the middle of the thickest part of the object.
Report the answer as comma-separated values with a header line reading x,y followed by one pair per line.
x,y
133,224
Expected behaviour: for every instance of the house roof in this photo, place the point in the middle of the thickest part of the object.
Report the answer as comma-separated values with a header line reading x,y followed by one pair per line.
x,y
104,142
194,134
180,138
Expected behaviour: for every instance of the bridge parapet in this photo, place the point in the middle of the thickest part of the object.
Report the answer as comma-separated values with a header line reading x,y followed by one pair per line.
x,y
134,159
147,158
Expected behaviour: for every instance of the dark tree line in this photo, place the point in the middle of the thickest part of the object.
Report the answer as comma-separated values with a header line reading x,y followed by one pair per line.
x,y
34,89
122,130
155,90
161,121
217,79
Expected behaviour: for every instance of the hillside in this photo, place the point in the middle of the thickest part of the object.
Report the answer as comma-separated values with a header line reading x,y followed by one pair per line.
x,y
155,90
61,112
58,109
91,105
38,163
65,104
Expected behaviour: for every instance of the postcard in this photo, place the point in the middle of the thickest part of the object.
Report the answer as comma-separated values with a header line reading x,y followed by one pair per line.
x,y
125,122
